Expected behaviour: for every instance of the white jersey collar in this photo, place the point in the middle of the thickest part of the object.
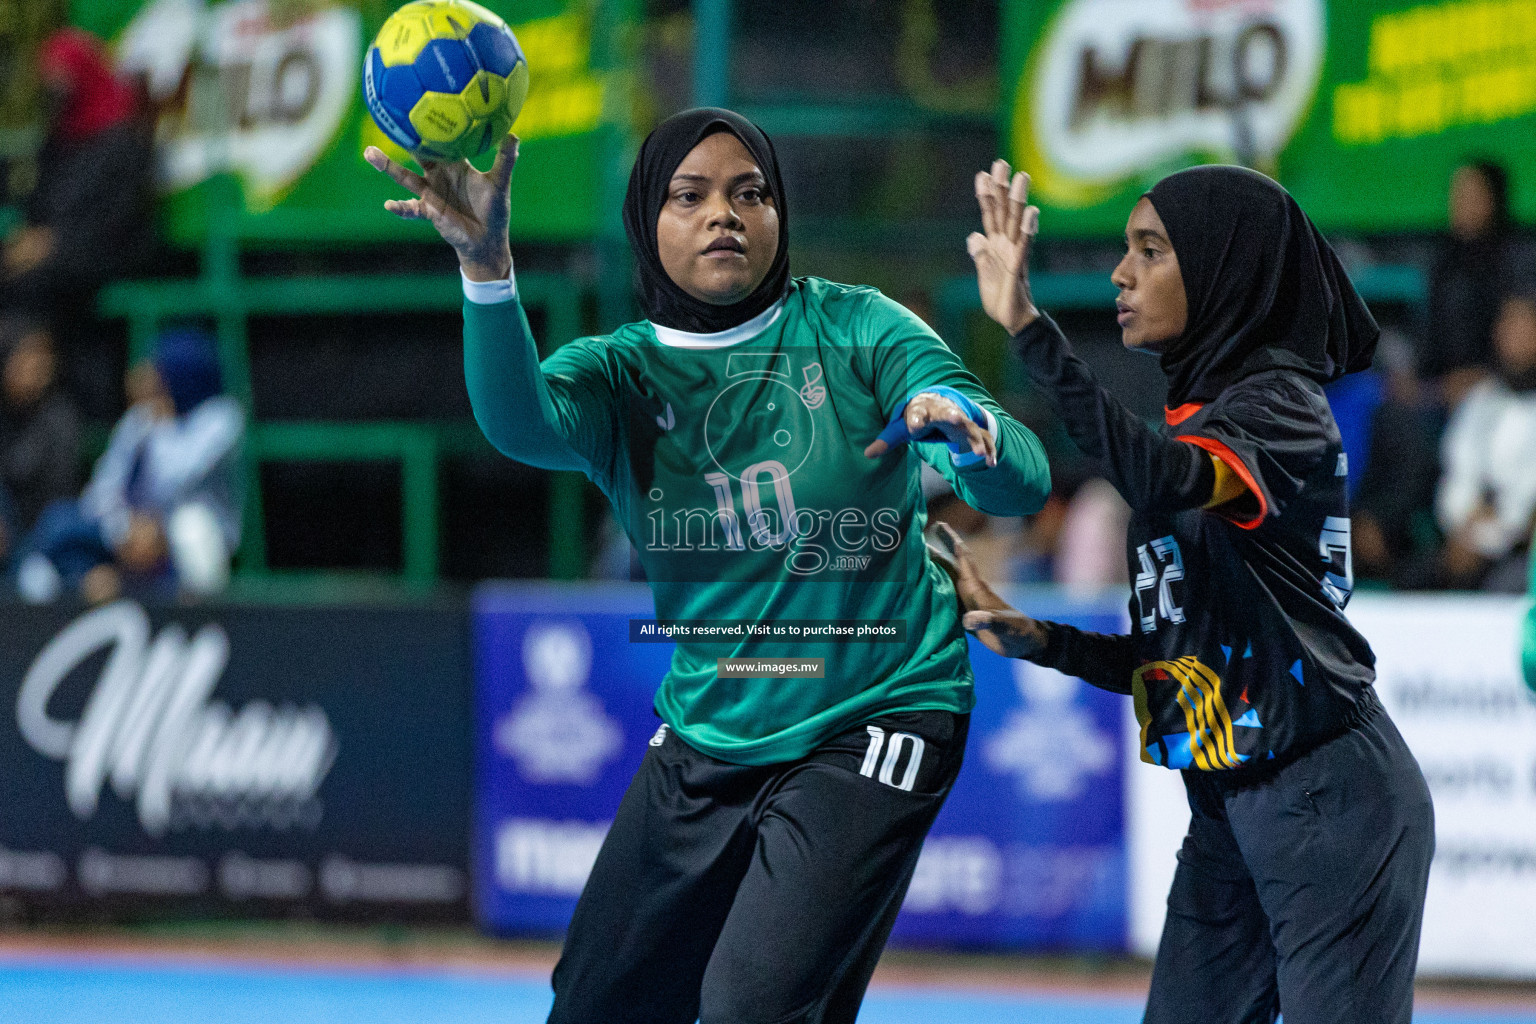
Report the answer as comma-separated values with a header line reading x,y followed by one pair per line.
x,y
720,339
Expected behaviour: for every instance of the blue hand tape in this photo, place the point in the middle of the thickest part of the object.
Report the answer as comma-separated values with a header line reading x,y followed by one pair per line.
x,y
896,432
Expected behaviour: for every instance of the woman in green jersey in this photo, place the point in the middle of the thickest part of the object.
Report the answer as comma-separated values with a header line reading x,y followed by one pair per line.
x,y
749,433
1528,645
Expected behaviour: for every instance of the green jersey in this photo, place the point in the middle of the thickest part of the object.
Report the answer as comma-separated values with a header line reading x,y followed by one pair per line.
x,y
736,463
1528,647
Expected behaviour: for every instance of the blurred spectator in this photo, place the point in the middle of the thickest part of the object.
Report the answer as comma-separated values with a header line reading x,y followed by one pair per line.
x,y
1000,546
1475,267
24,24
1393,504
1076,540
1487,497
162,510
89,216
39,432
1090,553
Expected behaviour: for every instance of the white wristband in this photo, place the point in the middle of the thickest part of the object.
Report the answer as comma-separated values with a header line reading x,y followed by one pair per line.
x,y
487,293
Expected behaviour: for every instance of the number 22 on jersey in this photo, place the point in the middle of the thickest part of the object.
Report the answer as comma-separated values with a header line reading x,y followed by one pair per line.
x,y
1162,565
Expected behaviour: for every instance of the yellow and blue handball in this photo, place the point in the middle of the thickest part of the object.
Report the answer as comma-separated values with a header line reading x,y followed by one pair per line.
x,y
445,79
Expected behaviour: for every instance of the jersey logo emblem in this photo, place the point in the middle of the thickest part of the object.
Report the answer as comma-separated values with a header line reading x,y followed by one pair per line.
x,y
667,421
813,394
660,737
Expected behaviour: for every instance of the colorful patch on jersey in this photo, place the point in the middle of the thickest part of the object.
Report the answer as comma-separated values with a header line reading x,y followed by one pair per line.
x,y
1180,753
1209,742
1176,416
1246,654
1296,671
1236,464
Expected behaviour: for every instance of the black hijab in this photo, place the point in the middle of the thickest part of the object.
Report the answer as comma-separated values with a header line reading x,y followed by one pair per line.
x,y
1263,285
662,301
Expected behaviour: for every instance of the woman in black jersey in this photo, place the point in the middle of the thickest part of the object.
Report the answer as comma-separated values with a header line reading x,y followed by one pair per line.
x,y
1300,884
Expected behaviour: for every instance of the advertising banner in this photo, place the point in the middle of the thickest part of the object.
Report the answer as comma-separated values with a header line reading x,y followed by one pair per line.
x,y
271,92
562,718
1029,850
1361,109
233,760
1027,854
1448,673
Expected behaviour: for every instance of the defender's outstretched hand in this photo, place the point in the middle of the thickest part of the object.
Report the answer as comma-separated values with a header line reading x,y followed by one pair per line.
x,y
1001,253
469,209
996,623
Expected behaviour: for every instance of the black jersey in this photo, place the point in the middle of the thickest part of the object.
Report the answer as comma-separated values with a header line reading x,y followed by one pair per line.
x,y
1237,613
1239,650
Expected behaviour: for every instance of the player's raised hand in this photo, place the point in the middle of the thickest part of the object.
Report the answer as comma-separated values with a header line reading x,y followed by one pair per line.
x,y
996,623
470,209
931,417
1001,249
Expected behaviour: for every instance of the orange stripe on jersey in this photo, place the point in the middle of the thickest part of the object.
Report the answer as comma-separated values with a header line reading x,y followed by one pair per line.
x,y
1179,414
1230,458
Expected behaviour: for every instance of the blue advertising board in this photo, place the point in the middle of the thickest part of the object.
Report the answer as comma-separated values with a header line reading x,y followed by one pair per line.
x,y
1029,852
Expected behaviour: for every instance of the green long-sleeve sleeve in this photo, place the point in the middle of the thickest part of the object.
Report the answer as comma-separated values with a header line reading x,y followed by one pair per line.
x,y
908,356
552,416
1528,653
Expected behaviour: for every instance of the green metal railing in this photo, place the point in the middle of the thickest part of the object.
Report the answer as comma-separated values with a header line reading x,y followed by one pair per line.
x,y
229,300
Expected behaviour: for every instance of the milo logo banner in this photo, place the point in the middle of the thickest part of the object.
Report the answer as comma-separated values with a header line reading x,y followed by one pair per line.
x,y
1028,853
1361,109
270,92
256,761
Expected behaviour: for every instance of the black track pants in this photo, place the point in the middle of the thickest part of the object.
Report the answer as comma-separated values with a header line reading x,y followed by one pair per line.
x,y
1302,893
732,894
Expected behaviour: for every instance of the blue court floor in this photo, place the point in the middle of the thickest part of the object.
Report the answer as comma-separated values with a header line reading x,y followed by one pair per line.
x,y
97,990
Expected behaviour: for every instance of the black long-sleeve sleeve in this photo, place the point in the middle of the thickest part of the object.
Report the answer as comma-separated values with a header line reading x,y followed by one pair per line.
x,y
1152,472
1102,659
